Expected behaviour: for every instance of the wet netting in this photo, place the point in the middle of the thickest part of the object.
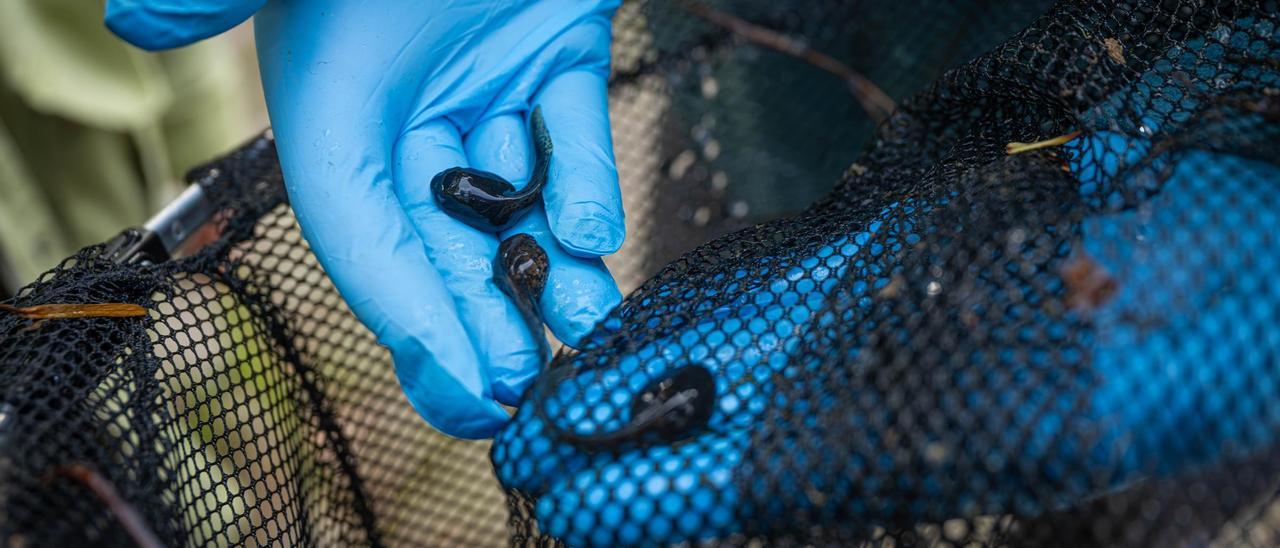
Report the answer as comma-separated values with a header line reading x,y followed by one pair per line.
x,y
1038,308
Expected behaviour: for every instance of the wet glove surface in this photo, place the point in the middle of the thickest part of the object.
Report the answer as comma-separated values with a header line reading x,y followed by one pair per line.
x,y
369,103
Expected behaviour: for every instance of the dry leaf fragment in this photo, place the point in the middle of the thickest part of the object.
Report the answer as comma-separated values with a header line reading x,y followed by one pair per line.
x,y
1089,284
1114,49
66,311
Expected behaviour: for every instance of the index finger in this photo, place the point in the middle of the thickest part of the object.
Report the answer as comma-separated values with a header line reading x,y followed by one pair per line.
x,y
584,204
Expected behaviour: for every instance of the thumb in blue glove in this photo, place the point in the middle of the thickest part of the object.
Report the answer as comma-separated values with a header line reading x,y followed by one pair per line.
x,y
368,105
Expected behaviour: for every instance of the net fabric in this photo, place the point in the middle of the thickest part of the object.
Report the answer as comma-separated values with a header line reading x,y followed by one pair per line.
x,y
959,345
714,133
914,360
249,407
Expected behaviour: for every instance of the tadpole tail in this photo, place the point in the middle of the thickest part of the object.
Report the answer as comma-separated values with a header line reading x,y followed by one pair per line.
x,y
550,379
672,406
542,148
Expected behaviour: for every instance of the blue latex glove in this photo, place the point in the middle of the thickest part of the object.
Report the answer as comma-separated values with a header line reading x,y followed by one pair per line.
x,y
672,493
1192,266
1160,401
368,102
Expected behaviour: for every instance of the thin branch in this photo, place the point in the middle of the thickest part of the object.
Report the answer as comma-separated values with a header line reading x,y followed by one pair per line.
x,y
126,514
873,100
1018,148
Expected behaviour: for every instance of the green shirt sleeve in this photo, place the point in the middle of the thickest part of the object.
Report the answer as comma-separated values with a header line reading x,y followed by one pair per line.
x,y
94,133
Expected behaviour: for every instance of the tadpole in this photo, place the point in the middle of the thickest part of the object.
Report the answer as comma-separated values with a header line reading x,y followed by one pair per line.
x,y
520,271
485,200
671,407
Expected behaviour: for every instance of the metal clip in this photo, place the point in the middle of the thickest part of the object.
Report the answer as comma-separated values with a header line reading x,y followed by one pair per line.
x,y
157,240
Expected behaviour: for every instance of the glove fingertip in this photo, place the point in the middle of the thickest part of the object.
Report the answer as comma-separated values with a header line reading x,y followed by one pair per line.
x,y
137,26
508,389
152,29
439,374
572,326
588,229
480,420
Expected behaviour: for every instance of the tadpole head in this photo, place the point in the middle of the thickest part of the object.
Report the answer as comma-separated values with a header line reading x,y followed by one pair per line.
x,y
478,198
520,270
675,405
524,263
466,184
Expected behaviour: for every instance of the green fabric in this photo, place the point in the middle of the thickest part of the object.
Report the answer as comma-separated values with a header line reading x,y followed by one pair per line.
x,y
61,59
23,211
95,134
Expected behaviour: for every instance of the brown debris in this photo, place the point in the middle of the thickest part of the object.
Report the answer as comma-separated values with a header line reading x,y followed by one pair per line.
x,y
1089,284
877,104
125,513
893,288
1115,50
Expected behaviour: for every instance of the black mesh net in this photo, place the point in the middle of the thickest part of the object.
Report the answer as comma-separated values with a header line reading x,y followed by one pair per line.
x,y
1037,309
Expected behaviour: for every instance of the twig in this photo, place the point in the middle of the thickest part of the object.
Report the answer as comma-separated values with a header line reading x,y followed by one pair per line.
x,y
1018,148
873,100
126,514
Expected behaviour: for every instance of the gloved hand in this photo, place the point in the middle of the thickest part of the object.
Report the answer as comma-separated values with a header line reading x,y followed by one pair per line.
x,y
368,103
1159,397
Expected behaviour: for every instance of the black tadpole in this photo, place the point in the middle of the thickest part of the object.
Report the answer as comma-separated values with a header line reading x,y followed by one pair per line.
x,y
671,407
520,271
485,200
676,404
